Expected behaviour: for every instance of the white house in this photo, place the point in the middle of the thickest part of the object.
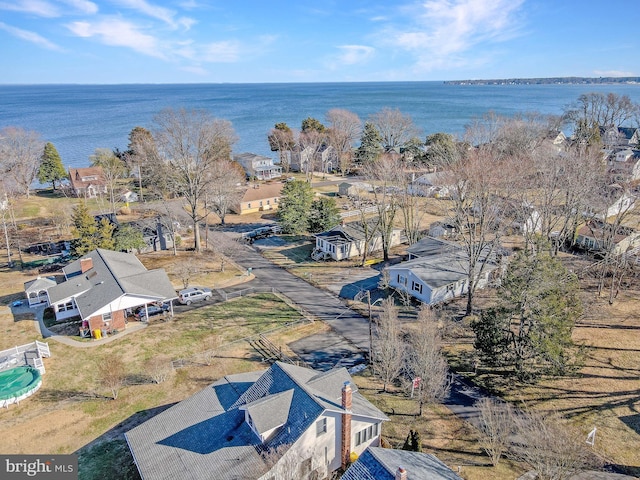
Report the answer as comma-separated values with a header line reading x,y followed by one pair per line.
x,y
100,286
258,166
285,422
348,241
438,272
430,185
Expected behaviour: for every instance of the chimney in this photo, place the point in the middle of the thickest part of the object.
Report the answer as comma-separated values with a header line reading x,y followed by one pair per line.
x,y
346,425
86,264
401,474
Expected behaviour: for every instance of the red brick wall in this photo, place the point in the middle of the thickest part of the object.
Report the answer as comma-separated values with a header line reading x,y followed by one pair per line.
x,y
117,322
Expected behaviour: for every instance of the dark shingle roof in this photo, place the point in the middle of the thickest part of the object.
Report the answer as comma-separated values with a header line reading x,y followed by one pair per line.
x,y
382,463
206,437
113,275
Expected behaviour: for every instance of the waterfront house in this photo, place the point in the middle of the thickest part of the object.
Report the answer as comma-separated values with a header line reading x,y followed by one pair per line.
x,y
87,182
258,166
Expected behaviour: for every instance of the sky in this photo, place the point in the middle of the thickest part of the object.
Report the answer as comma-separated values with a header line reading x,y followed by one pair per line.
x,y
263,41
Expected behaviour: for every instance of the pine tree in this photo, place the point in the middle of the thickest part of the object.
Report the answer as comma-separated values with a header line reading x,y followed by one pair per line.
x,y
370,144
324,214
295,206
51,168
89,233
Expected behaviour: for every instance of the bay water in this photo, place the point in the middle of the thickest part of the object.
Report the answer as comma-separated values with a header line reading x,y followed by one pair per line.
x,y
77,119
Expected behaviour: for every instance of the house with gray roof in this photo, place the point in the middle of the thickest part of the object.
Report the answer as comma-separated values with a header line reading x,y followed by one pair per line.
x,y
284,422
348,240
258,166
388,464
438,271
102,285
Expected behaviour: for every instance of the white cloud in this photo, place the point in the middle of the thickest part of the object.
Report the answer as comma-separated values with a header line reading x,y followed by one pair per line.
x,y
119,33
442,32
83,6
158,12
613,73
227,51
29,37
41,8
353,54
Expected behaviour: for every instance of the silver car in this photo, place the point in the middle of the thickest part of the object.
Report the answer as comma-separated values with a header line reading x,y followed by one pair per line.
x,y
194,294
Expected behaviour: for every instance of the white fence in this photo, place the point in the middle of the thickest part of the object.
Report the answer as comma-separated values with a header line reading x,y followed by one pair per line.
x,y
29,354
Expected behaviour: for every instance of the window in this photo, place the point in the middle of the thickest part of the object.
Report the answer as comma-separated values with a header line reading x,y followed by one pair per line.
x,y
106,317
260,202
367,434
268,202
249,205
416,286
63,307
321,427
402,280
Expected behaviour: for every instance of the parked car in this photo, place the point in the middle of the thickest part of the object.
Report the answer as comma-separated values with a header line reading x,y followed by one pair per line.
x,y
151,310
194,294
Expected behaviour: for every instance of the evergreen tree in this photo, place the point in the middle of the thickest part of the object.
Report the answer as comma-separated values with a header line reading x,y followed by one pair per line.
x,y
416,441
127,238
51,169
89,233
324,214
295,206
310,123
370,144
532,324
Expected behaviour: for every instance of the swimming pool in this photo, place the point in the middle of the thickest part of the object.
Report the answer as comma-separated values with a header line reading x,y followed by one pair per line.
x,y
17,384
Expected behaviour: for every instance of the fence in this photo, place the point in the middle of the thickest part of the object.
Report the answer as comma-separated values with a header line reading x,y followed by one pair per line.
x,y
353,213
29,354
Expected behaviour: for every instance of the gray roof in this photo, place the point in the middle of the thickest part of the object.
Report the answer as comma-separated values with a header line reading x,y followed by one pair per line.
x,y
353,231
382,463
39,284
271,411
440,265
206,437
113,275
428,246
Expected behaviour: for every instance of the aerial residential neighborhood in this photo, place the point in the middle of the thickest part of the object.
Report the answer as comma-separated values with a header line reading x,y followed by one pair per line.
x,y
363,310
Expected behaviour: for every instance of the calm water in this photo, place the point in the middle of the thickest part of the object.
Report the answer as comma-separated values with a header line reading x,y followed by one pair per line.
x,y
77,119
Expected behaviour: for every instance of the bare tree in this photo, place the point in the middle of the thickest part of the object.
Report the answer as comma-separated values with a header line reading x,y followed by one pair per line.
x,y
386,172
113,170
496,427
224,191
159,368
210,346
111,374
186,269
224,247
388,346
20,157
310,143
550,447
426,361
282,139
191,142
477,212
345,128
395,128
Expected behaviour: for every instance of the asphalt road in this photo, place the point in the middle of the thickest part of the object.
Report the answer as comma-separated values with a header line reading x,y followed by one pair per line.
x,y
322,305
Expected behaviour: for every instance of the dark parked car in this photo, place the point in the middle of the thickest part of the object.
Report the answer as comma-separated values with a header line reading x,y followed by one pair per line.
x,y
152,309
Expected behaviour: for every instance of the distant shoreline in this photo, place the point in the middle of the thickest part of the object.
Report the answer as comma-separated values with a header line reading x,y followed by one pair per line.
x,y
548,81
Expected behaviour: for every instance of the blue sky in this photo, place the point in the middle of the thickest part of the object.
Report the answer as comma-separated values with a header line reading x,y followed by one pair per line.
x,y
246,41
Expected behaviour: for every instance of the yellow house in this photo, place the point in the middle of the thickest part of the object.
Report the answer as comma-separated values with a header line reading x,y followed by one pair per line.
x,y
259,198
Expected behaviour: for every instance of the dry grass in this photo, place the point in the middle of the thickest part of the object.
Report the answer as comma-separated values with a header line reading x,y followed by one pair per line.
x,y
443,434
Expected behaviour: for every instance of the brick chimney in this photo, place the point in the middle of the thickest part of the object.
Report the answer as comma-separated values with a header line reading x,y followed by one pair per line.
x,y
401,474
346,425
86,264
